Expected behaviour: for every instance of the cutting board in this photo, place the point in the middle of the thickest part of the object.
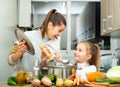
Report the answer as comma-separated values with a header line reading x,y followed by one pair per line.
x,y
115,85
111,85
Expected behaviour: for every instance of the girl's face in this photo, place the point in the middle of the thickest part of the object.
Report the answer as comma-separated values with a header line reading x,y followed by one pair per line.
x,y
55,31
81,54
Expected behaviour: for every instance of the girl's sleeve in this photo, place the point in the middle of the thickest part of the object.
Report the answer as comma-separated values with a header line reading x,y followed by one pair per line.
x,y
92,68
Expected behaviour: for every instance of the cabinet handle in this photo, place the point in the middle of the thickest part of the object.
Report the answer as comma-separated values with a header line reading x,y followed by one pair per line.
x,y
109,18
104,30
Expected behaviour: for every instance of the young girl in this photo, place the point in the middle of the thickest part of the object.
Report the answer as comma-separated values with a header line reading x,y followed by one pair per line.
x,y
87,58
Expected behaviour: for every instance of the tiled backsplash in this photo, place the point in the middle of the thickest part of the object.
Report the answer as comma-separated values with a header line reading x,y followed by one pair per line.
x,y
68,55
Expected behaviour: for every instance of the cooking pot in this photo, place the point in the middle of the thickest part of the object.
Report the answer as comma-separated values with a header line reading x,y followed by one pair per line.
x,y
60,70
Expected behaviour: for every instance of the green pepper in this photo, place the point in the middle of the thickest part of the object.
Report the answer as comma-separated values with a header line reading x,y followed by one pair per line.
x,y
51,77
40,76
12,81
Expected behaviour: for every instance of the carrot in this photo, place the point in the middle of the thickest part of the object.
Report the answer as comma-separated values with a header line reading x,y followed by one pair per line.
x,y
75,82
103,83
78,80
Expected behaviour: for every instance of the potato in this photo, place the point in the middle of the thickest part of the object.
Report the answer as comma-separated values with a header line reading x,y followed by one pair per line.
x,y
59,82
68,83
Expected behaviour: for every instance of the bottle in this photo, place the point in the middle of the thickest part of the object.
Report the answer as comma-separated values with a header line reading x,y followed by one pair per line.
x,y
50,57
21,77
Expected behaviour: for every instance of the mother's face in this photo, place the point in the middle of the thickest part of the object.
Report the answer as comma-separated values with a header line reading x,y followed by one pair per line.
x,y
55,31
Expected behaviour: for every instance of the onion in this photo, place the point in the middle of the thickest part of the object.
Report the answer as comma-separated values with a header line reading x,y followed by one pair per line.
x,y
36,82
46,81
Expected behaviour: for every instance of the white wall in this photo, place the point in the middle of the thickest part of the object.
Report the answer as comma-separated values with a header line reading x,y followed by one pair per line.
x,y
7,22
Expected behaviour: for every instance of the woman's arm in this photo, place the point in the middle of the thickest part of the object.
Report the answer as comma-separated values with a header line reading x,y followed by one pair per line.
x,y
17,53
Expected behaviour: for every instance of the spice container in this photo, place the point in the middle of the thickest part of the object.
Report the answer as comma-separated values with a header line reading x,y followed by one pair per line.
x,y
49,56
36,68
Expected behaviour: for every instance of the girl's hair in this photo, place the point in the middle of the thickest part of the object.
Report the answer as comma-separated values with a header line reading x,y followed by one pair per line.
x,y
54,17
94,50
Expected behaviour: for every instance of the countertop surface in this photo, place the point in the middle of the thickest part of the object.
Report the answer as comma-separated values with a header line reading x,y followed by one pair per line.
x,y
4,84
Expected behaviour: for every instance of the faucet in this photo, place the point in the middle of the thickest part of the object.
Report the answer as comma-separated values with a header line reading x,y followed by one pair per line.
x,y
116,53
105,67
105,54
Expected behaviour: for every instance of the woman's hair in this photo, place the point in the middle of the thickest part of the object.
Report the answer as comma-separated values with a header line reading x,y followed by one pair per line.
x,y
94,50
54,17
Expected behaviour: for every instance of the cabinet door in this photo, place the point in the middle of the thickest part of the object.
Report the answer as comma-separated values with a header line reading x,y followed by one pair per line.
x,y
109,4
103,17
116,14
24,12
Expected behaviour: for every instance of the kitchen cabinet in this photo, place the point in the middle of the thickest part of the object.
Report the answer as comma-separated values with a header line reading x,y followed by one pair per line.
x,y
24,13
110,23
116,14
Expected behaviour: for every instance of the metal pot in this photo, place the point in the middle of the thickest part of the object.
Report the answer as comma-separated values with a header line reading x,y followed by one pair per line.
x,y
62,70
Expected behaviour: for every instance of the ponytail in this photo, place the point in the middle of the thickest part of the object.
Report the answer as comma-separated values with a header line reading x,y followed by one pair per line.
x,y
45,22
97,57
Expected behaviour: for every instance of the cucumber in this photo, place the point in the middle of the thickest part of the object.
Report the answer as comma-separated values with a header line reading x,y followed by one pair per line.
x,y
12,81
110,81
99,80
105,80
13,78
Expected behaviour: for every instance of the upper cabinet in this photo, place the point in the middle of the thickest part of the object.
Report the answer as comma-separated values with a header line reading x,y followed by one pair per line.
x,y
24,13
110,23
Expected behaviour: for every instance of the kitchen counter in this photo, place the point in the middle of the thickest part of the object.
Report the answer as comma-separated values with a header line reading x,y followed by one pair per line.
x,y
4,84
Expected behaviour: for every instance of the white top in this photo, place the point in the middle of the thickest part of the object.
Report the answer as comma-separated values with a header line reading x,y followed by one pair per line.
x,y
36,39
83,69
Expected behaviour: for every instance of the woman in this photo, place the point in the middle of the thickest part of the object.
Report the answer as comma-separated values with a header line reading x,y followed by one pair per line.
x,y
48,33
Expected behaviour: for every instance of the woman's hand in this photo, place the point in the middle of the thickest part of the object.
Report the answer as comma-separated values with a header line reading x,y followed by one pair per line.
x,y
58,56
22,47
18,51
44,57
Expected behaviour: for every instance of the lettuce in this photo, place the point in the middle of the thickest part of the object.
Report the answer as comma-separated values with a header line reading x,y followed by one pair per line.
x,y
114,74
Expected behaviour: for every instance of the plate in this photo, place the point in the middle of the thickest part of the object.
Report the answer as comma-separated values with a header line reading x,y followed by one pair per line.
x,y
21,36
